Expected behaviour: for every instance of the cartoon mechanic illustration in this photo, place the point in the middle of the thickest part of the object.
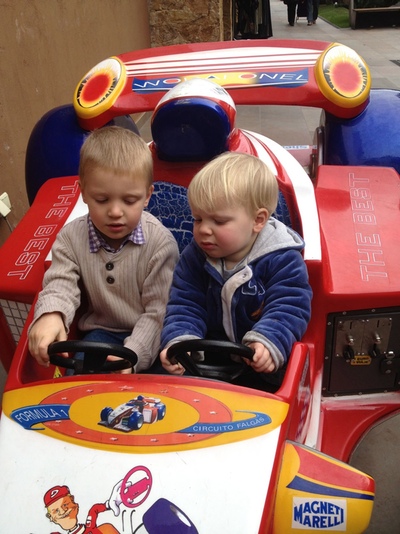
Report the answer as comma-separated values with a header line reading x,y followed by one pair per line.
x,y
63,511
131,492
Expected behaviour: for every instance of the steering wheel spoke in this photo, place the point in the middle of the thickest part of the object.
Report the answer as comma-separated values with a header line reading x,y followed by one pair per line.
x,y
217,363
95,356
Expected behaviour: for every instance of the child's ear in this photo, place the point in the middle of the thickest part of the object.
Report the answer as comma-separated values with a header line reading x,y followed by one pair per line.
x,y
260,219
82,191
149,193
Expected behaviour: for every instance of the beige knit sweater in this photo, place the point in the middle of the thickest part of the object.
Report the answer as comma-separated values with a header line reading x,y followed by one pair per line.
x,y
135,301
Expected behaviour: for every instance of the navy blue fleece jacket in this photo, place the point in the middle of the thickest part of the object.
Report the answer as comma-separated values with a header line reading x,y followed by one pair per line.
x,y
267,300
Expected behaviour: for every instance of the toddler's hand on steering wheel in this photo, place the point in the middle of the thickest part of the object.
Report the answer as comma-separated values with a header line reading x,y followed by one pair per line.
x,y
172,368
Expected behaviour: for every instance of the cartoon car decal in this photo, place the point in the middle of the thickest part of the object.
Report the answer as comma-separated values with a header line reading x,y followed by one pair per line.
x,y
133,414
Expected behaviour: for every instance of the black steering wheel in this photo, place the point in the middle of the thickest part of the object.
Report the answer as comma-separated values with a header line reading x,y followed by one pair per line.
x,y
95,356
219,366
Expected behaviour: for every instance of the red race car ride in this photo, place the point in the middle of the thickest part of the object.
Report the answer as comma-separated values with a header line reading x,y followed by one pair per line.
x,y
220,458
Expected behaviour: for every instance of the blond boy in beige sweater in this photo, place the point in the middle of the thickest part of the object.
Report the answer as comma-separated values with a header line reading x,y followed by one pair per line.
x,y
119,256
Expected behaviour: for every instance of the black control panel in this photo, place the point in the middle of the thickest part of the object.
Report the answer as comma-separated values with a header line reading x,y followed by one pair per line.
x,y
362,352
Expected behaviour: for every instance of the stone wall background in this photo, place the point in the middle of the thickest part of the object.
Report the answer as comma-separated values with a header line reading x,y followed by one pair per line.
x,y
183,21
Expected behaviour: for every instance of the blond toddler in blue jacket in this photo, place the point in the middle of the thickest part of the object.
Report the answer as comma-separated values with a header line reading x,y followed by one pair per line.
x,y
243,277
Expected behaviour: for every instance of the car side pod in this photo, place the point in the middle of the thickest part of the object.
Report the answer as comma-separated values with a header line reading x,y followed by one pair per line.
x,y
320,493
370,139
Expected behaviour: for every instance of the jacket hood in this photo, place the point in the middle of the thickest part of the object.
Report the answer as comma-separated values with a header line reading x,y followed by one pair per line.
x,y
275,236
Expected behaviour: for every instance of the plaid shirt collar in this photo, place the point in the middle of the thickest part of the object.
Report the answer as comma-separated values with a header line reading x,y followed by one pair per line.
x,y
97,241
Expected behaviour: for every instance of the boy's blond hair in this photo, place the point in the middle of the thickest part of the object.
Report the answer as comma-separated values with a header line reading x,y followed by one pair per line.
x,y
117,149
235,180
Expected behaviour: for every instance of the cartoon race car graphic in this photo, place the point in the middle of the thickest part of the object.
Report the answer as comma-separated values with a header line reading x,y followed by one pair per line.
x,y
133,414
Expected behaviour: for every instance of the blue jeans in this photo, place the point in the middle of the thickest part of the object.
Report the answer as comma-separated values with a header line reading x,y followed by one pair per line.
x,y
104,336
313,6
100,336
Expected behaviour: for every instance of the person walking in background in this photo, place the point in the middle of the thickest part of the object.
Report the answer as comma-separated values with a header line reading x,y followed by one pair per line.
x,y
302,10
291,10
246,18
313,6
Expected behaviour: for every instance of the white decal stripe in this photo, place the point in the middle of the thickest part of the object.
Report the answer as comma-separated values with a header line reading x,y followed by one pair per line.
x,y
303,188
175,69
252,59
223,55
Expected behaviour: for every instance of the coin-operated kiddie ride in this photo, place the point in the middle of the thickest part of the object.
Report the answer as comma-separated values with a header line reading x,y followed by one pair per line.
x,y
148,453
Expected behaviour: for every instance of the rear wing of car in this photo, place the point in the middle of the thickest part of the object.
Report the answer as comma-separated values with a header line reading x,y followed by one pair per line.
x,y
325,75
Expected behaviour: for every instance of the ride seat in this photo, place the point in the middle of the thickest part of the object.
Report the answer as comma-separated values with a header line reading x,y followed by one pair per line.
x,y
193,122
169,204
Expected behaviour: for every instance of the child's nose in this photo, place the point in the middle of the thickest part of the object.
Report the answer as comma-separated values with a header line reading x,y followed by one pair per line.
x,y
205,228
115,210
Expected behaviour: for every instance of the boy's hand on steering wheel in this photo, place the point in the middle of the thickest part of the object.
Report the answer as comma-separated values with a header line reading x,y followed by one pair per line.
x,y
113,358
47,329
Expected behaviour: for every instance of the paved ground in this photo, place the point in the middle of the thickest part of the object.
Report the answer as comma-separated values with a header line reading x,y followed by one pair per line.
x,y
379,452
